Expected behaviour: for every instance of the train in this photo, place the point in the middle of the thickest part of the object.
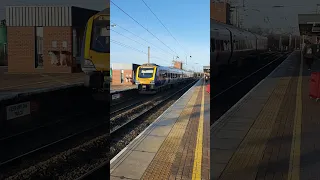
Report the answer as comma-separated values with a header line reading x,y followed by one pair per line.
x,y
95,57
230,45
152,78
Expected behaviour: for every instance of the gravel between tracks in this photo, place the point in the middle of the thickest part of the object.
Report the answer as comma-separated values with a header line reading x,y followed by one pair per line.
x,y
119,119
119,144
75,162
69,164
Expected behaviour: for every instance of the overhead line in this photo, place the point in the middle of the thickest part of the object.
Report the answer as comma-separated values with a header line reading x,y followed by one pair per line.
x,y
128,37
164,26
143,27
140,51
124,45
143,39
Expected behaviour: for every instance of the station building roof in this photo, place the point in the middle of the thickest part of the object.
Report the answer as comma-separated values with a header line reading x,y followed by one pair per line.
x,y
309,24
206,67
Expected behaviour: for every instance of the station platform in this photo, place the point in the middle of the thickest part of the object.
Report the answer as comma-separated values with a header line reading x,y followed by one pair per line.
x,y
272,132
121,88
174,146
16,84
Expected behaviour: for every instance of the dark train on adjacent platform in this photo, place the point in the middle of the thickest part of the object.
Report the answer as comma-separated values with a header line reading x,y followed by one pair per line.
x,y
151,78
229,45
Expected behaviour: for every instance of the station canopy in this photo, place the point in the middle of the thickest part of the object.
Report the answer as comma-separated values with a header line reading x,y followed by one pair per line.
x,y
309,24
206,69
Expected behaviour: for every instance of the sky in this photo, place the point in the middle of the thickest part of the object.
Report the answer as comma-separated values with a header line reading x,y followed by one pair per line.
x,y
187,20
284,19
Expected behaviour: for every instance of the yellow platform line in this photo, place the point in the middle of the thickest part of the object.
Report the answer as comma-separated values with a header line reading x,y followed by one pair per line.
x,y
196,173
294,163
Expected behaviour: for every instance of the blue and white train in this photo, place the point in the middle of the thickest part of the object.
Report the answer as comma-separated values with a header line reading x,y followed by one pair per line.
x,y
230,45
151,78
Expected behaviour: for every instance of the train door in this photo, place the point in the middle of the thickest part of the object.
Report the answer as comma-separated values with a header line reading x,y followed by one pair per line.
x,y
231,45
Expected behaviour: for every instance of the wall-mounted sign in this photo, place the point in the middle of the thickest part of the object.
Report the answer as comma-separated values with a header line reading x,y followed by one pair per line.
x,y
18,110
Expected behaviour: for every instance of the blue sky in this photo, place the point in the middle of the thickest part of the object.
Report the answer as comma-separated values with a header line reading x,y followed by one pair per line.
x,y
187,20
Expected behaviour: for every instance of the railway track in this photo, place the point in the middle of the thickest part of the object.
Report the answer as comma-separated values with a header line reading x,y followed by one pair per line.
x,y
10,167
43,142
128,124
226,96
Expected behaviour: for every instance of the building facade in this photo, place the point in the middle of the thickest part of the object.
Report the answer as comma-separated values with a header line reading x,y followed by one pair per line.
x,y
220,11
45,39
123,74
177,65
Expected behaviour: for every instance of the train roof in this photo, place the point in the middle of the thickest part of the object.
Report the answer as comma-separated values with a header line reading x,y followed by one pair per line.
x,y
163,67
105,11
235,30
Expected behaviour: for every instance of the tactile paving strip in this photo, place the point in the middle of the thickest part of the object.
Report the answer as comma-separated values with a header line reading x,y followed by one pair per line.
x,y
244,162
160,166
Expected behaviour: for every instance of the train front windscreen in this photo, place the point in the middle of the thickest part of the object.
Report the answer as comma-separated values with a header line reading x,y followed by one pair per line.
x,y
146,72
100,41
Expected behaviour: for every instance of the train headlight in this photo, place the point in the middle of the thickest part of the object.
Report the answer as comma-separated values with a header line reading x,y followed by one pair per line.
x,y
88,63
151,82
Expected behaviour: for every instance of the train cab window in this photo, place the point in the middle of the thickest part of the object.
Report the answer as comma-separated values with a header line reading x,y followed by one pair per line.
x,y
145,72
100,39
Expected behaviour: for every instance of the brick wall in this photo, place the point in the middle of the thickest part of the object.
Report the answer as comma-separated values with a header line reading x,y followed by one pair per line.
x,y
21,49
58,34
178,65
219,11
116,76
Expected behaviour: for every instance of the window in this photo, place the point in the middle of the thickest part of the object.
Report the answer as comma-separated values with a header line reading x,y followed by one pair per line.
x,y
121,76
217,45
39,47
213,45
100,39
146,72
221,45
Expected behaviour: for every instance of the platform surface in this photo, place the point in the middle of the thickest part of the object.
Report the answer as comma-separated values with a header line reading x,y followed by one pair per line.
x,y
271,133
175,146
120,88
13,84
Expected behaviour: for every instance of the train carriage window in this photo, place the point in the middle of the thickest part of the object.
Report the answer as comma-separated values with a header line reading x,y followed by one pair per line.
x,y
217,45
224,45
221,45
229,46
213,44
